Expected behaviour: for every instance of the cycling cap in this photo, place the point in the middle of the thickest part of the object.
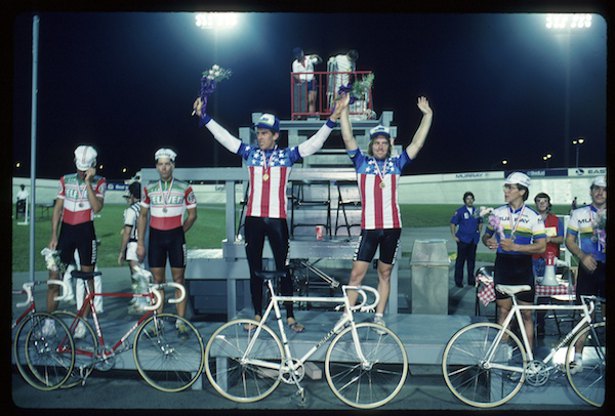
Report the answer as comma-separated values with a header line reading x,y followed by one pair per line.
x,y
518,178
269,121
85,157
164,152
599,181
380,131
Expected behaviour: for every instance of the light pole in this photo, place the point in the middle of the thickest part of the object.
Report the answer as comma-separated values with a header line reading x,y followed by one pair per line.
x,y
577,144
546,159
564,24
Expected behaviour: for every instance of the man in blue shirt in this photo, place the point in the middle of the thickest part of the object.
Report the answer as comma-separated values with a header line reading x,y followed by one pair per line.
x,y
466,226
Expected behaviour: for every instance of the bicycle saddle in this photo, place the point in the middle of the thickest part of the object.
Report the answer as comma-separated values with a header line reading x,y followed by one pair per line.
x,y
270,274
512,289
77,274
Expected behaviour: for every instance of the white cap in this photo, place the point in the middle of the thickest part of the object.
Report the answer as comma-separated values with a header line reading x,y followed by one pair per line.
x,y
518,178
380,130
164,152
85,157
599,181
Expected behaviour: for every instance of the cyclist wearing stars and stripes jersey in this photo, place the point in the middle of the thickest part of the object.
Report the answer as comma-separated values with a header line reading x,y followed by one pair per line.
x,y
378,176
269,167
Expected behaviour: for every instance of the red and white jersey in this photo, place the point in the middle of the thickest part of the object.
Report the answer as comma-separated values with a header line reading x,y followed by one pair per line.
x,y
167,203
268,174
378,182
77,208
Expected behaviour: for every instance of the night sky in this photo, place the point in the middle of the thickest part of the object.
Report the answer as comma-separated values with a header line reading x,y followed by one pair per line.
x,y
125,83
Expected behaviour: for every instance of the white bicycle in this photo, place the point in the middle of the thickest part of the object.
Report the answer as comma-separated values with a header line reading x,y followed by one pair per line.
x,y
365,365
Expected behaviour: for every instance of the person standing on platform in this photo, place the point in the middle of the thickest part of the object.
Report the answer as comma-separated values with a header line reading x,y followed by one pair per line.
x,y
303,72
80,196
128,248
378,176
269,167
554,230
517,232
466,227
586,240
167,199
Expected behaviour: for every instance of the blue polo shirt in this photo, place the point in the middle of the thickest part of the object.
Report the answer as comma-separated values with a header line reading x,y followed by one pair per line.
x,y
467,224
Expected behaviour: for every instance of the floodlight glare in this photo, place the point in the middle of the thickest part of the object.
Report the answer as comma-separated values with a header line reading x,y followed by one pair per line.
x,y
572,21
216,20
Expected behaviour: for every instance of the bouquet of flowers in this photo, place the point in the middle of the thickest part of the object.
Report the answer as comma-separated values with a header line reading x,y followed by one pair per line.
x,y
52,259
209,80
358,89
493,220
599,226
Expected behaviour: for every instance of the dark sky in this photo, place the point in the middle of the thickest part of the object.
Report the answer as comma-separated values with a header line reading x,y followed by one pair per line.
x,y
125,83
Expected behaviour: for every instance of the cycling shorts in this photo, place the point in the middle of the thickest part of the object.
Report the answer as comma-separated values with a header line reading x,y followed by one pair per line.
x,y
167,243
80,237
369,240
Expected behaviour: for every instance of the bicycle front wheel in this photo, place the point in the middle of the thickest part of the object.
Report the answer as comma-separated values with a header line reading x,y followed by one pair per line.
x,y
86,346
588,382
239,374
168,352
479,376
371,383
44,355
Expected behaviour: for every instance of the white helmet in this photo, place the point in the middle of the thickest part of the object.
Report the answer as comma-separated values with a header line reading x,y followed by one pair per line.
x,y
518,178
164,152
85,157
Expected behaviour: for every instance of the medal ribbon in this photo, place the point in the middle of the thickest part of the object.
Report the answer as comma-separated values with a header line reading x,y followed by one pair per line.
x,y
513,227
267,165
384,169
83,194
166,198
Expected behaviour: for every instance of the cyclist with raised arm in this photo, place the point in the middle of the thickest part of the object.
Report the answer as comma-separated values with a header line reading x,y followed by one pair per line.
x,y
378,176
80,196
269,167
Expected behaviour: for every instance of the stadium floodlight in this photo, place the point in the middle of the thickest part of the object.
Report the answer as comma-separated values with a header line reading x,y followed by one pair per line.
x,y
573,21
216,20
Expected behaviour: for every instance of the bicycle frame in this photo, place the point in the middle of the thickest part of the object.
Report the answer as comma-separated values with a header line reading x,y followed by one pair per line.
x,y
347,318
515,313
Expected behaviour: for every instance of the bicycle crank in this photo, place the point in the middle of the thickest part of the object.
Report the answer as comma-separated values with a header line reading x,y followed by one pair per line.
x,y
105,359
536,373
298,375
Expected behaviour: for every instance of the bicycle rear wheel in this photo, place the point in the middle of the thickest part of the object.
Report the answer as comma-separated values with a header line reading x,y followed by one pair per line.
x,y
373,383
85,347
471,377
167,356
237,374
589,383
44,358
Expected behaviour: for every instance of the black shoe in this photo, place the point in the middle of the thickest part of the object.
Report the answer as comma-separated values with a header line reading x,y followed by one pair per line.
x,y
459,284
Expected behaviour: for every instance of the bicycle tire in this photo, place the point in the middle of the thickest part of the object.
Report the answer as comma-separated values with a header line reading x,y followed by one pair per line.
x,y
86,348
45,361
167,359
589,384
470,378
372,385
236,380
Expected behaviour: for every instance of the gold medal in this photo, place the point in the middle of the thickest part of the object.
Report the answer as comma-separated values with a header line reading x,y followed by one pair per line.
x,y
265,177
80,204
164,210
383,185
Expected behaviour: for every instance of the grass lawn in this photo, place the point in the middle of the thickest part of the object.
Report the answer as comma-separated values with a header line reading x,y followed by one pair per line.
x,y
207,232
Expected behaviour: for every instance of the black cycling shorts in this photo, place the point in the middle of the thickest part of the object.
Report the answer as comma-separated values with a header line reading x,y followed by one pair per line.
x,y
513,269
163,243
80,237
591,283
369,240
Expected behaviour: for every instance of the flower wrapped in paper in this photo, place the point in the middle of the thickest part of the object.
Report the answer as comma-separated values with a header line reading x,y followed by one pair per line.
x,y
492,220
209,80
359,89
599,227
52,260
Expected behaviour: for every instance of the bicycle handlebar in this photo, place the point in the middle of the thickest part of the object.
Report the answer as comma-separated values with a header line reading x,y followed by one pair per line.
x,y
27,288
181,288
155,290
362,307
